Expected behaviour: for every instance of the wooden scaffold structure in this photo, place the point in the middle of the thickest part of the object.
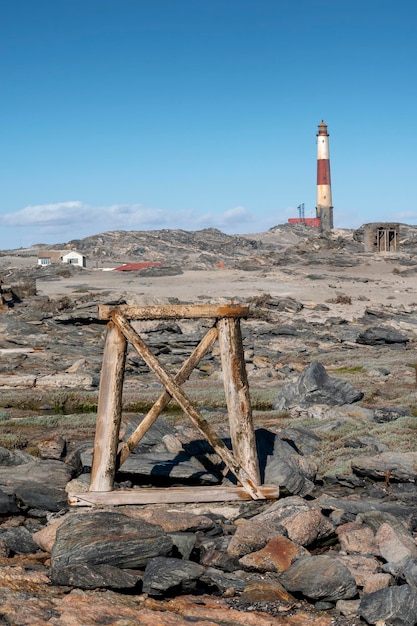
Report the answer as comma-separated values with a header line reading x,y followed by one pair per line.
x,y
109,455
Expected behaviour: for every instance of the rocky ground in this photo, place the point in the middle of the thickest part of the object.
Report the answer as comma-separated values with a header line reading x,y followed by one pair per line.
x,y
330,356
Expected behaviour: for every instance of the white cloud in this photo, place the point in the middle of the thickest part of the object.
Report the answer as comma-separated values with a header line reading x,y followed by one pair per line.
x,y
406,217
63,221
57,213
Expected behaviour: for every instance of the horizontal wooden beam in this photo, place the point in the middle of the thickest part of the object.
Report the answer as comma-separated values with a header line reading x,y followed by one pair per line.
x,y
168,495
177,311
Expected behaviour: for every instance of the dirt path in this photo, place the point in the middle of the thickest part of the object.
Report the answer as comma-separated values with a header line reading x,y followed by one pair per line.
x,y
376,282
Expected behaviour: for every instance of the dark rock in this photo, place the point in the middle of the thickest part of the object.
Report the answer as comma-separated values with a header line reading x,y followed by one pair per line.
x,y
278,464
85,576
41,496
284,304
54,473
408,571
12,458
315,386
379,335
164,575
236,579
183,544
372,512
7,504
303,440
18,540
394,605
105,538
319,577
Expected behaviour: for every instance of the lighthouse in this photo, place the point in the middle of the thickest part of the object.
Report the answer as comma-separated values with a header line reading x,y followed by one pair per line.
x,y
324,207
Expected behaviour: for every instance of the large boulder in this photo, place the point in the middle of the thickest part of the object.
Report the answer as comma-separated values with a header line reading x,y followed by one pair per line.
x,y
86,542
320,577
315,386
395,605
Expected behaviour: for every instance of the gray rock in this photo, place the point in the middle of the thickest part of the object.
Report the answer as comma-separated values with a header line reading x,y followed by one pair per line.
x,y
18,540
85,576
380,335
236,579
284,304
303,440
31,469
104,537
401,466
41,496
252,535
279,464
395,544
372,512
315,386
7,504
11,458
394,605
320,577
183,544
166,574
302,520
408,571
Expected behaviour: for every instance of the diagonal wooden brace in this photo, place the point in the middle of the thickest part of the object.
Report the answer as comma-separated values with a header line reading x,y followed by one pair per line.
x,y
174,390
183,374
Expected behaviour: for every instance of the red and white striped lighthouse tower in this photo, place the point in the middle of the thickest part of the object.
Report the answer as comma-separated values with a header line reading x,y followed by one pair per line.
x,y
324,207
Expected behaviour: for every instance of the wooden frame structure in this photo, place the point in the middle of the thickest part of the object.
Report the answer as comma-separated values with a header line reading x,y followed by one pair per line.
x,y
109,455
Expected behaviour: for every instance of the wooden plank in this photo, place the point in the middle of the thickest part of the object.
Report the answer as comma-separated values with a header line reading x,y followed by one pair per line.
x,y
183,401
184,373
177,311
109,410
237,397
169,495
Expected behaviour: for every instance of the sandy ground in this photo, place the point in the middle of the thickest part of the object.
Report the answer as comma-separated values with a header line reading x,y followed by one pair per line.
x,y
376,282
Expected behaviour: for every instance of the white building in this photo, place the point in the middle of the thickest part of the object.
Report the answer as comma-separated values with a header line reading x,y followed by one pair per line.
x,y
47,257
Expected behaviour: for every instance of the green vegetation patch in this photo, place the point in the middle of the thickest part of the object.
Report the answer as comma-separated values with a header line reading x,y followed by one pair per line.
x,y
333,457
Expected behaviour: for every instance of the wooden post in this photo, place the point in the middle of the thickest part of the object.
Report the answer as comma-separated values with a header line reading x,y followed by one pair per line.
x,y
109,411
237,397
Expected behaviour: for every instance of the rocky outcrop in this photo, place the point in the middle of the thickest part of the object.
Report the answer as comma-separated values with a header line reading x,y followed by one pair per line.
x,y
347,556
338,547
315,386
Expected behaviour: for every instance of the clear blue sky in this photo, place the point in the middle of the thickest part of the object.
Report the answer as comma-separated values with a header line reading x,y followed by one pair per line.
x,y
144,114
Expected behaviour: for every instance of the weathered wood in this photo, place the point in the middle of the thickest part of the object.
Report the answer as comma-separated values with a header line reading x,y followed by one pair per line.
x,y
178,311
237,397
183,401
169,496
184,373
109,410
